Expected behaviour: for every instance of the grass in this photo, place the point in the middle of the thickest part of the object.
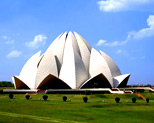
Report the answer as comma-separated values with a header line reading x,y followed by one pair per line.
x,y
99,108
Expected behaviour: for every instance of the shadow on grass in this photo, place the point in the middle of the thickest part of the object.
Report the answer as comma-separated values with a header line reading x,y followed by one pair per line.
x,y
98,106
41,100
105,105
101,96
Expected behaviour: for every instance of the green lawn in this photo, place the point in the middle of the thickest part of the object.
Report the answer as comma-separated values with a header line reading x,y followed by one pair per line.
x,y
99,108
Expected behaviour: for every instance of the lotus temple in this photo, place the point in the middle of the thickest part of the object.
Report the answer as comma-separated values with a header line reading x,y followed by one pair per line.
x,y
70,63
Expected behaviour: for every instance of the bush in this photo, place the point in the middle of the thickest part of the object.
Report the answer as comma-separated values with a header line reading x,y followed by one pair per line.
x,y
11,96
27,97
1,91
133,100
117,99
64,98
45,97
87,92
147,99
85,99
6,84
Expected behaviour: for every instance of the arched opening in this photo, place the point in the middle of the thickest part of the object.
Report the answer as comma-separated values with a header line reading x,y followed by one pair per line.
x,y
52,82
123,83
20,84
98,81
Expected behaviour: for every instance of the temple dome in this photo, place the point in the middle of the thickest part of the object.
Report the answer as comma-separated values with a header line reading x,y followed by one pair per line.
x,y
70,62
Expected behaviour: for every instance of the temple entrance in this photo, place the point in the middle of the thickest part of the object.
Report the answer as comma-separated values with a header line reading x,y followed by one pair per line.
x,y
98,81
52,82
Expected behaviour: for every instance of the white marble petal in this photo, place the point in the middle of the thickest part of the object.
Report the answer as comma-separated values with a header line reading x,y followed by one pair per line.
x,y
84,51
113,67
98,65
46,66
58,49
118,79
29,70
73,71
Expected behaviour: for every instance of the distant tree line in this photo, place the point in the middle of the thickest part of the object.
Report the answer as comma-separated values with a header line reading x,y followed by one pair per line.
x,y
6,84
147,85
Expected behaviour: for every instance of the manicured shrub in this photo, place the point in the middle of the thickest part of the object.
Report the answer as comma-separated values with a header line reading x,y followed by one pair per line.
x,y
27,97
133,100
64,98
1,91
147,99
45,97
117,99
85,99
87,92
11,96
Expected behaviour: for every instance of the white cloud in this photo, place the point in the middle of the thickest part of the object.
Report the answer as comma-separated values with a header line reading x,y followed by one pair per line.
x,y
14,54
115,43
37,42
137,58
145,32
143,57
4,37
118,51
8,40
100,42
150,21
121,5
133,58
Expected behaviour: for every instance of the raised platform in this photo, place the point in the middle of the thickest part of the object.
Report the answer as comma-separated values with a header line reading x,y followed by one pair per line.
x,y
17,91
83,91
137,89
65,91
79,91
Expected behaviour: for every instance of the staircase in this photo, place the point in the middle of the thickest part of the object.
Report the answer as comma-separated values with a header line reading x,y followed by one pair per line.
x,y
128,92
41,91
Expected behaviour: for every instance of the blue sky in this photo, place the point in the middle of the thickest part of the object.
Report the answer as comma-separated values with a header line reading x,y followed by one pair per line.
x,y
124,29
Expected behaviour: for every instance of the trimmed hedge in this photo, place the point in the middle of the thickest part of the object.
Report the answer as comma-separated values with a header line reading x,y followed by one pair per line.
x,y
117,99
133,100
85,99
147,99
27,97
11,96
45,97
87,92
64,98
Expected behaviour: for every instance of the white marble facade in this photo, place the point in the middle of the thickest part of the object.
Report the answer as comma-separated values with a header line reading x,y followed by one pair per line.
x,y
71,61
